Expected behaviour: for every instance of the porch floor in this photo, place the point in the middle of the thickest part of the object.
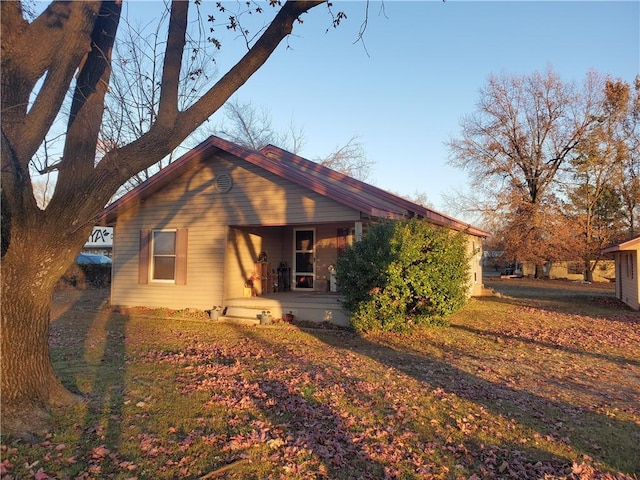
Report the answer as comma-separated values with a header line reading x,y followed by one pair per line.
x,y
307,306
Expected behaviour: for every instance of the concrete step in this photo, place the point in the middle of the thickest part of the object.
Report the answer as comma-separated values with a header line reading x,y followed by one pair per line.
x,y
253,312
239,320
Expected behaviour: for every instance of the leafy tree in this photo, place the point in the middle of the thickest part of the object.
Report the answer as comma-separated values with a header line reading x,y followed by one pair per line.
x,y
402,274
524,130
68,49
594,205
623,104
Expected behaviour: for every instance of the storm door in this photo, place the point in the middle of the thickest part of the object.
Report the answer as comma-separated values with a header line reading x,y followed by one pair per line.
x,y
304,259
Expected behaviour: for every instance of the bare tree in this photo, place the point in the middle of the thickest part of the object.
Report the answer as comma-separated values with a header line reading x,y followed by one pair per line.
x,y
524,130
68,48
253,128
350,159
131,104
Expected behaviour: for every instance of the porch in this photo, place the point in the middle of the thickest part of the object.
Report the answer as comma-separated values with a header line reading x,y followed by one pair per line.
x,y
306,306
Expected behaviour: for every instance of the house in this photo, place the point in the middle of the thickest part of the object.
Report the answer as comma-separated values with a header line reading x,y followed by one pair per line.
x,y
224,223
627,261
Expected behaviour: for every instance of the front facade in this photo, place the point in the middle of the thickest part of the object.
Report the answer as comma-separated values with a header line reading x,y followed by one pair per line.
x,y
627,262
224,222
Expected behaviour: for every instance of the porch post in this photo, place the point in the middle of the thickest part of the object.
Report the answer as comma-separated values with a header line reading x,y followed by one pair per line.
x,y
358,228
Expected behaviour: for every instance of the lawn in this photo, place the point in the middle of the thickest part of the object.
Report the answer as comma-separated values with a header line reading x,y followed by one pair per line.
x,y
542,381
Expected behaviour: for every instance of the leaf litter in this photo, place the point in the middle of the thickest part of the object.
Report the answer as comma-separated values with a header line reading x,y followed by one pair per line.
x,y
508,391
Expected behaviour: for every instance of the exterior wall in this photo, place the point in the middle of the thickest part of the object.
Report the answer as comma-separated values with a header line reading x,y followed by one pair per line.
x,y
193,202
604,271
475,249
627,281
244,246
228,231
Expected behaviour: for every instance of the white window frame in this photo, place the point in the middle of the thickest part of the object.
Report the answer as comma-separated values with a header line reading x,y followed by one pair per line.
x,y
153,256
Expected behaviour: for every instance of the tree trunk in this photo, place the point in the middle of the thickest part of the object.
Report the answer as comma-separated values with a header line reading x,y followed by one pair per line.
x,y
539,271
29,383
588,272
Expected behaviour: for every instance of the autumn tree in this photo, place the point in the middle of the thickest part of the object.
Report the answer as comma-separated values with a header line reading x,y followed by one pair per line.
x,y
524,130
598,173
68,49
624,100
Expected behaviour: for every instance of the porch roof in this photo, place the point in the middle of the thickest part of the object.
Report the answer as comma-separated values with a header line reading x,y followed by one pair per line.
x,y
369,200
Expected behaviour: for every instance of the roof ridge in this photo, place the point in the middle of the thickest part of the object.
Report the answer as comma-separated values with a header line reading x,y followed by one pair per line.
x,y
376,191
366,198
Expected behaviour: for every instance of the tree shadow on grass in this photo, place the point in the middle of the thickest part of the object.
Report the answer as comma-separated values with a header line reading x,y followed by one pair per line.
x,y
565,296
311,436
607,440
622,361
88,352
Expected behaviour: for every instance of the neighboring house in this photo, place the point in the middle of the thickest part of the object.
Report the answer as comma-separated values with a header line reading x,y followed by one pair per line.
x,y
604,271
195,235
627,259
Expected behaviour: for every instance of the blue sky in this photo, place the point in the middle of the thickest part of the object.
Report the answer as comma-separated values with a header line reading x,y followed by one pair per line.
x,y
424,64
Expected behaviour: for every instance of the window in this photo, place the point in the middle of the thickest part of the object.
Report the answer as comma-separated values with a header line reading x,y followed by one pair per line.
x,y
163,248
575,268
163,256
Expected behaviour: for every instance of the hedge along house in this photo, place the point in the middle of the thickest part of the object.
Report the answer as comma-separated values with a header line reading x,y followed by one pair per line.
x,y
627,264
243,231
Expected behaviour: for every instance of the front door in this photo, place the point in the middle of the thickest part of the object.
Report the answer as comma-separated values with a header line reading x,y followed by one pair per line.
x,y
304,259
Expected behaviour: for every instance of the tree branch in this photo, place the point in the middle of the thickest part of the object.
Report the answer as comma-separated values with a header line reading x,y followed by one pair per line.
x,y
168,108
159,141
85,117
66,28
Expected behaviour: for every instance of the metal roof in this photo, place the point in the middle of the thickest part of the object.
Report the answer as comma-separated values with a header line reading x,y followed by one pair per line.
x,y
369,200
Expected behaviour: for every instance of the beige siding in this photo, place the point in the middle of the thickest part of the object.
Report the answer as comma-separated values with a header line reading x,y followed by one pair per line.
x,y
193,202
475,275
244,245
627,281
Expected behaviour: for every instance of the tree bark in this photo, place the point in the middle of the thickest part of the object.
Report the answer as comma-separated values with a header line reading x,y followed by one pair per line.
x,y
29,383
588,271
38,245
538,271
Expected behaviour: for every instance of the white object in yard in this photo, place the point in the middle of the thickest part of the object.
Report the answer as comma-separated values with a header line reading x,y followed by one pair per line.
x,y
333,286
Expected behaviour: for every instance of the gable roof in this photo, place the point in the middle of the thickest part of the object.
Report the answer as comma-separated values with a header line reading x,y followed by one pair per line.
x,y
629,244
369,200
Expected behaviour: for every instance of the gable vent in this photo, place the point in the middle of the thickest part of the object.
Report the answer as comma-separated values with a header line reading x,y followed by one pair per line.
x,y
224,183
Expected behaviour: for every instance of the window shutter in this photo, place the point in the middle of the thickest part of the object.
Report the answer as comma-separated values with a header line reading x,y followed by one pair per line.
x,y
181,256
143,256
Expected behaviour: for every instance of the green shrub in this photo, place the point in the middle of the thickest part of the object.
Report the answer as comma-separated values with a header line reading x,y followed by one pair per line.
x,y
402,274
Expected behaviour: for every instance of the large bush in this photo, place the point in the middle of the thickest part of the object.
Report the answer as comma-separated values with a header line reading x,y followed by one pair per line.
x,y
402,274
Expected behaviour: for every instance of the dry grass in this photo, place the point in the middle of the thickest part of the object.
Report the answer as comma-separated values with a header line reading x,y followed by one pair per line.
x,y
535,384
